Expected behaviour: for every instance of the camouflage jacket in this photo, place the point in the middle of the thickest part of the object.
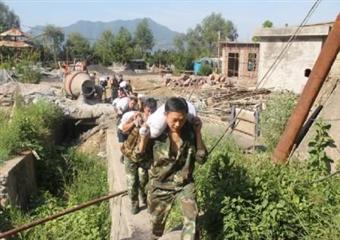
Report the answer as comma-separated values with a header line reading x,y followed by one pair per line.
x,y
173,172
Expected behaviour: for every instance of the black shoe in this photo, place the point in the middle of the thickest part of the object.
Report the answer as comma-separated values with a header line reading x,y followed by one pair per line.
x,y
135,209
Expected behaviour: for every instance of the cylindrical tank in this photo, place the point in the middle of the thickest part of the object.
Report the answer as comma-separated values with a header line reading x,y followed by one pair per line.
x,y
77,83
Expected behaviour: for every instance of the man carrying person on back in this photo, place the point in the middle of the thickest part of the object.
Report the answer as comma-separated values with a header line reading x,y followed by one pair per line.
x,y
137,157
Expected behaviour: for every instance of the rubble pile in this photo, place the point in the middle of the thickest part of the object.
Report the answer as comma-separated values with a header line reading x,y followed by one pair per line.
x,y
71,108
186,80
216,104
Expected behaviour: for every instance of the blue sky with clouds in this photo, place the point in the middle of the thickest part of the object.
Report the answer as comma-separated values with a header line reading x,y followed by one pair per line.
x,y
178,15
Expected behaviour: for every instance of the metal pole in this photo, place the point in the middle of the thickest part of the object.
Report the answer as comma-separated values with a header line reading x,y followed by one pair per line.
x,y
57,215
316,79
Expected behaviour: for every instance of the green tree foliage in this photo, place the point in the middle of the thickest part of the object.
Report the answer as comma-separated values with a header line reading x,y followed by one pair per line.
x,y
144,38
77,46
274,117
8,18
25,68
104,47
179,42
160,57
53,38
123,46
267,24
214,24
202,41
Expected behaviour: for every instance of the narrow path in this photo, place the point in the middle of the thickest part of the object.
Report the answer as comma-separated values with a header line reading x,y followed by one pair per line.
x,y
124,225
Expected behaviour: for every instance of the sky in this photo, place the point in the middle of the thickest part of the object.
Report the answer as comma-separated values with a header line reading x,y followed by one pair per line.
x,y
178,15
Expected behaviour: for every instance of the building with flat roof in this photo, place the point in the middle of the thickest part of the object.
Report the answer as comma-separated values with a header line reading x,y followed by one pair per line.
x,y
291,72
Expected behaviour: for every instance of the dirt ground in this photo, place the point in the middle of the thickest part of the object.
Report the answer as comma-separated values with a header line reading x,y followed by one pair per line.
x,y
149,84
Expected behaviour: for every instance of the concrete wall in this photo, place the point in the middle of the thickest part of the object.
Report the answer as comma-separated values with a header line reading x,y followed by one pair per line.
x,y
289,74
18,180
330,114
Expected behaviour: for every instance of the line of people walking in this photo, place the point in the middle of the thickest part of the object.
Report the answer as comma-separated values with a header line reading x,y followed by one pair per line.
x,y
159,161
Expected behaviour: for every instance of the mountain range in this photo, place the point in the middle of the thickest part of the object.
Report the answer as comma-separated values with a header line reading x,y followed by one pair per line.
x,y
163,36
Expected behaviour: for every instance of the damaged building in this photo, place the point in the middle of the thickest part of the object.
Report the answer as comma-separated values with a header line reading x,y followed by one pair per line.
x,y
295,65
240,61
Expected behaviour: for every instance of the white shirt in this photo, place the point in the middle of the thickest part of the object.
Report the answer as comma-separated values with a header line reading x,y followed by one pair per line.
x,y
126,116
121,104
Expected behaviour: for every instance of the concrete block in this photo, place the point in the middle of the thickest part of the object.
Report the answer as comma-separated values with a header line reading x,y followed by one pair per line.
x,y
18,180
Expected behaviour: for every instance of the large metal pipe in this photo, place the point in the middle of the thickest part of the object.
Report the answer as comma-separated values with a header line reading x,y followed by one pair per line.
x,y
77,83
316,79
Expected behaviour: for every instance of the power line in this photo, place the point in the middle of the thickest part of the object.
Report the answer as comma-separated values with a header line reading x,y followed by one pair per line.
x,y
289,42
277,61
104,198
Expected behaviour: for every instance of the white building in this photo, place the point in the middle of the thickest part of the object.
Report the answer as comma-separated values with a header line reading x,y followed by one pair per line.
x,y
298,60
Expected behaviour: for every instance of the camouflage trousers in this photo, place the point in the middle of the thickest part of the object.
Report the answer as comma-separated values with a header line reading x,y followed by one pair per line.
x,y
160,202
137,179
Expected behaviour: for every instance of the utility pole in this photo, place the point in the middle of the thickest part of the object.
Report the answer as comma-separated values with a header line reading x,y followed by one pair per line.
x,y
316,79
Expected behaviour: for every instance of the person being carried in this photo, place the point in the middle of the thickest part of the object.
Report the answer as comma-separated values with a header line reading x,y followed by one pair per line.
x,y
175,153
121,105
136,158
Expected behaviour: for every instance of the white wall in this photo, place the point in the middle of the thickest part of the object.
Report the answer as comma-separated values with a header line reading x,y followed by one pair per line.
x,y
289,73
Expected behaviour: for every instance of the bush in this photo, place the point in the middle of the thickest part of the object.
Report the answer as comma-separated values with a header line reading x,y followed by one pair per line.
x,y
274,118
26,70
30,128
247,197
64,179
205,70
87,180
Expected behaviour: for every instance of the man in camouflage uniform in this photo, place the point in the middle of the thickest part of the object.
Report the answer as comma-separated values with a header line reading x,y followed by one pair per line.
x,y
137,161
171,178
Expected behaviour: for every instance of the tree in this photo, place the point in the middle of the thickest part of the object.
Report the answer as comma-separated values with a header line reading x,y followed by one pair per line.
x,y
123,46
214,24
267,24
104,47
203,39
179,42
8,18
144,38
53,38
77,46
195,42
